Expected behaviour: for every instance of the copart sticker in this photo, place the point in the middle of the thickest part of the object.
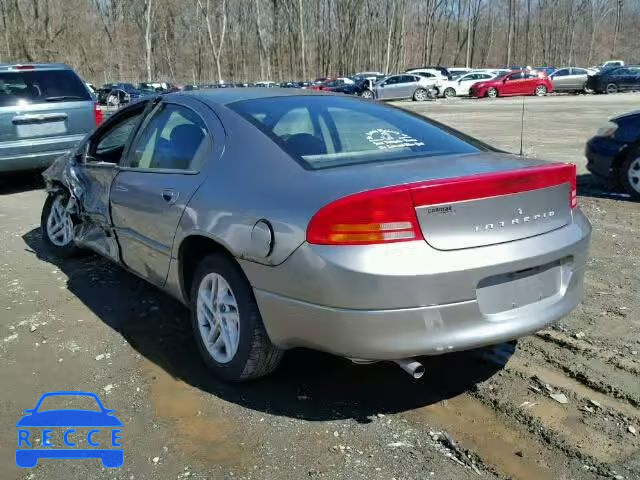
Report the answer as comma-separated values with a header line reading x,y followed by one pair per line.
x,y
389,139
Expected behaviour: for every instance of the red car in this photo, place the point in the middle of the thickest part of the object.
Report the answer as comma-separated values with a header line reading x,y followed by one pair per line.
x,y
522,82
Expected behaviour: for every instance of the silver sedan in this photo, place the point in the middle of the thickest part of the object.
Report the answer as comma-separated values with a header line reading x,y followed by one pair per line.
x,y
285,218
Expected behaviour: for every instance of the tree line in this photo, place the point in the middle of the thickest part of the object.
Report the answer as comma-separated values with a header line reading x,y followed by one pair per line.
x,y
205,41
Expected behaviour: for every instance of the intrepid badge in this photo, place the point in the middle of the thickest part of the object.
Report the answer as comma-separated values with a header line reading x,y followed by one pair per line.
x,y
520,219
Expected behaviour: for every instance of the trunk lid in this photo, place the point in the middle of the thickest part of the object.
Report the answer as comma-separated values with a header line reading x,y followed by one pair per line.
x,y
495,219
487,209
472,200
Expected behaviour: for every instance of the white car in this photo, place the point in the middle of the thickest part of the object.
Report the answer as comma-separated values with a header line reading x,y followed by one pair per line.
x,y
461,85
459,71
430,73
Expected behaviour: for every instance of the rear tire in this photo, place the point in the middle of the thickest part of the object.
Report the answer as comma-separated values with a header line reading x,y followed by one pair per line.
x,y
420,95
629,173
449,92
252,354
540,91
492,92
611,88
57,225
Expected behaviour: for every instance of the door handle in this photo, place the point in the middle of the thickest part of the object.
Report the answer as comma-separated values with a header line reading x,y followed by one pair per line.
x,y
170,196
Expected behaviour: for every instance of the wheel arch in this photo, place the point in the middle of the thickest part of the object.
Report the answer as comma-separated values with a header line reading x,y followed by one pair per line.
x,y
191,250
618,160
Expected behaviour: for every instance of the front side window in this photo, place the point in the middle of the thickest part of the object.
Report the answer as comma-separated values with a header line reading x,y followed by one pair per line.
x,y
322,132
561,73
110,146
174,139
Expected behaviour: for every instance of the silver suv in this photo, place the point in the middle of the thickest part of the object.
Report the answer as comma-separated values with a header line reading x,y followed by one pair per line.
x,y
45,110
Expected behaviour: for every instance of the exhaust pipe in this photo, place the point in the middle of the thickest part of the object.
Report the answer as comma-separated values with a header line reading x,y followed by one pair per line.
x,y
412,367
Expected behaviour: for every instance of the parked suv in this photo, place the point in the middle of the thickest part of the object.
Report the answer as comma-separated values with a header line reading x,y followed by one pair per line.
x,y
45,110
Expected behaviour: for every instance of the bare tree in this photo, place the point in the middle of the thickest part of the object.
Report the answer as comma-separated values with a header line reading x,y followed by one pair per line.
x,y
148,18
200,41
216,49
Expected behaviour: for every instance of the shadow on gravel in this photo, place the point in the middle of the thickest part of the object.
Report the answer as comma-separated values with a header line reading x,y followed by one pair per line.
x,y
20,182
591,186
308,385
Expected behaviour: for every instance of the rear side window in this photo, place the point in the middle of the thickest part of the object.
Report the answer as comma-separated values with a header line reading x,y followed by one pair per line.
x,y
172,139
327,131
26,87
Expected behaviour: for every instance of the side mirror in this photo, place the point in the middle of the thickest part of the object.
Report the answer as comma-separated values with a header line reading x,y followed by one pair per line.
x,y
82,153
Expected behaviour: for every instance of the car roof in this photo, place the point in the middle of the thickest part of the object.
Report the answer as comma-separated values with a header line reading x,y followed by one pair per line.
x,y
11,67
225,96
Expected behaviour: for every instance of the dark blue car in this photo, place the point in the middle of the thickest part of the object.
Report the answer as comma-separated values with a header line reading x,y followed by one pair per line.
x,y
69,418
613,154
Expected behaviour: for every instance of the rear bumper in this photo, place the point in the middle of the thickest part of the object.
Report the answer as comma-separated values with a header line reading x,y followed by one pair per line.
x,y
33,161
380,315
35,153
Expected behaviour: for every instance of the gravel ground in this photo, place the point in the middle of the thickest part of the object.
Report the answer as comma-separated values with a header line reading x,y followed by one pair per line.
x,y
562,404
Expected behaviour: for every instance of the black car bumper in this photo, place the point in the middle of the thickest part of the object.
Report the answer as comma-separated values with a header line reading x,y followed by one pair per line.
x,y
601,153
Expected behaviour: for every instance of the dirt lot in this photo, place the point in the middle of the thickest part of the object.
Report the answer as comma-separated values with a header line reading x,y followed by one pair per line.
x,y
86,325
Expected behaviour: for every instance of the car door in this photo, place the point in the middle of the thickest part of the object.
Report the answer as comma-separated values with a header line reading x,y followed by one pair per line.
x,y
634,78
561,79
622,78
512,84
406,86
96,165
164,167
579,76
387,89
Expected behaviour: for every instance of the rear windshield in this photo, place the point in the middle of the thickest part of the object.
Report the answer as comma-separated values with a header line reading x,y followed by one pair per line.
x,y
326,131
40,86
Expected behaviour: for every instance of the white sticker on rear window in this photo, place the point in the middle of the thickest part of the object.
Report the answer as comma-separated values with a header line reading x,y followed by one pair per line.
x,y
389,139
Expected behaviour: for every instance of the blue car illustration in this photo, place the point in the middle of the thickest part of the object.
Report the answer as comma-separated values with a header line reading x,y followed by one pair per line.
x,y
69,418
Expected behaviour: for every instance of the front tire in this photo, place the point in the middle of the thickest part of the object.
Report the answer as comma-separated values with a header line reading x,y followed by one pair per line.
x,y
492,92
630,173
367,94
449,92
56,225
226,322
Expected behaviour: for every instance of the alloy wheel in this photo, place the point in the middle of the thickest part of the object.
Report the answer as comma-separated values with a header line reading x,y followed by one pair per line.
x,y
633,174
492,92
449,93
420,95
541,90
612,88
218,318
59,224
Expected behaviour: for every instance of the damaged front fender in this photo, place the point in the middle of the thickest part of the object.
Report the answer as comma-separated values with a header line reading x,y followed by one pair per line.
x,y
89,187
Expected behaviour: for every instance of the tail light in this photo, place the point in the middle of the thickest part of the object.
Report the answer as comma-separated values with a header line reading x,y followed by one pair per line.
x,y
573,203
377,216
98,116
388,215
